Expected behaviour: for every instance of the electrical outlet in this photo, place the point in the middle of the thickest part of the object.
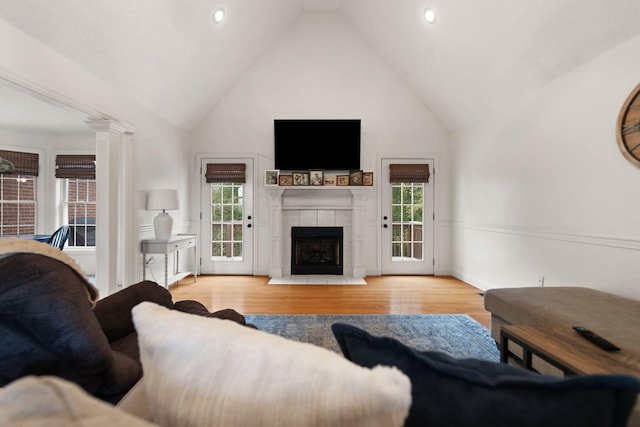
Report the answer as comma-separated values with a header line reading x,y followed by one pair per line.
x,y
541,281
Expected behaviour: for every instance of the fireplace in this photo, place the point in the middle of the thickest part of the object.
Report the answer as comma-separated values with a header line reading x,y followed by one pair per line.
x,y
316,250
318,206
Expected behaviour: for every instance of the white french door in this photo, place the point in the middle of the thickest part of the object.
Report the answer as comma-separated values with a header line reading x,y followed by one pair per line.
x,y
226,223
407,223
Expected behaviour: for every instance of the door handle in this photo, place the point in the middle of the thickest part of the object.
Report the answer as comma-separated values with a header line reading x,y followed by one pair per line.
x,y
385,226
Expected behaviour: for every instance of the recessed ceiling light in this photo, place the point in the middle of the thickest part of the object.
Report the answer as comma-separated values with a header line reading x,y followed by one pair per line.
x,y
430,15
218,15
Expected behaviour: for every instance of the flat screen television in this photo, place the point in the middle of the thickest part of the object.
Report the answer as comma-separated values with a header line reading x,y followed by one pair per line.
x,y
317,144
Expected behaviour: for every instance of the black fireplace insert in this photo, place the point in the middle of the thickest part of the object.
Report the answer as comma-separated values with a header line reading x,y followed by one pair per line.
x,y
316,250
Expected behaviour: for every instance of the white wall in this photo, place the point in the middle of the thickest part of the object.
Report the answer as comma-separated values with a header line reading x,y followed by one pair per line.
x,y
543,190
322,68
159,145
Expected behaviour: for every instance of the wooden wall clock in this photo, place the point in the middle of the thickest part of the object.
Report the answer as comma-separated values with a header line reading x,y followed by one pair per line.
x,y
628,127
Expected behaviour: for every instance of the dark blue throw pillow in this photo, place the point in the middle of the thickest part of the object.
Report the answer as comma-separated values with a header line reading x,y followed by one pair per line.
x,y
470,392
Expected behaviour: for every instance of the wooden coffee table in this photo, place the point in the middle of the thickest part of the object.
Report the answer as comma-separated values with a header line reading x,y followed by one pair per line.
x,y
565,349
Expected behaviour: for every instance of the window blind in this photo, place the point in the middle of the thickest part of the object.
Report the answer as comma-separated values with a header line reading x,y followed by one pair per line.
x,y
418,172
24,163
78,166
225,172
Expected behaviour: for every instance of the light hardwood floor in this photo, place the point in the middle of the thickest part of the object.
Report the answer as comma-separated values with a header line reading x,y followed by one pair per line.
x,y
382,295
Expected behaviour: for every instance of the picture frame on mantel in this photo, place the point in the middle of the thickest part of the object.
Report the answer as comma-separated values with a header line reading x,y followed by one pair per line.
x,y
271,177
285,180
342,180
329,180
355,178
367,178
316,177
300,178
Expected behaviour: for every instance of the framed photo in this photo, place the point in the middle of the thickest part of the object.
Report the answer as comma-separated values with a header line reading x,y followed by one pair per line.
x,y
342,180
300,178
271,177
329,180
355,178
367,178
316,177
285,180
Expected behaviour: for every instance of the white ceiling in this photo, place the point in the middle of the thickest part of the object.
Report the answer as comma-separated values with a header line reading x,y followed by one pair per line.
x,y
478,58
24,111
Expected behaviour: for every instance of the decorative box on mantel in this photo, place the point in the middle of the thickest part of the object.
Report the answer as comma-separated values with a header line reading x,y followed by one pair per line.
x,y
316,207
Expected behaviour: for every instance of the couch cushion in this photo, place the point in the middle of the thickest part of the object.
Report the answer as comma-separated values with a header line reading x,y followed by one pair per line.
x,y
191,306
12,246
127,345
47,327
46,323
114,312
470,392
51,401
121,376
208,371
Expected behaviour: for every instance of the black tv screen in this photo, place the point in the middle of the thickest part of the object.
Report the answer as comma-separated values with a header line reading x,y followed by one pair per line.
x,y
317,144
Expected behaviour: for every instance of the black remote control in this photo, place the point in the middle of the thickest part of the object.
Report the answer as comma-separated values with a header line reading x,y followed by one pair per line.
x,y
596,339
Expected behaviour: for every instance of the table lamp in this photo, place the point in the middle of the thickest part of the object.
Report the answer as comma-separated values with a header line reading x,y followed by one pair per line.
x,y
162,200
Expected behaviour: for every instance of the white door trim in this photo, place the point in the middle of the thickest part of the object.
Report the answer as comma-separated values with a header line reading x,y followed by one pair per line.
x,y
200,157
383,210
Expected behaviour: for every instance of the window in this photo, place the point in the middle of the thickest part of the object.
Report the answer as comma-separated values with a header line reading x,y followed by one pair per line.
x,y
226,220
80,208
407,220
78,173
18,204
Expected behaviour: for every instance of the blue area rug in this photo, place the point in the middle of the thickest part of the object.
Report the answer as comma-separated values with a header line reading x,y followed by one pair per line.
x,y
456,334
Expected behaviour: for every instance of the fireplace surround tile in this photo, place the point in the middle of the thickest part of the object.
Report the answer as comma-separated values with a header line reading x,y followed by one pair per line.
x,y
315,207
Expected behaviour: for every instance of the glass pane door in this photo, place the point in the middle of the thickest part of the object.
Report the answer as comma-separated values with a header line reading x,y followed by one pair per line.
x,y
407,234
227,223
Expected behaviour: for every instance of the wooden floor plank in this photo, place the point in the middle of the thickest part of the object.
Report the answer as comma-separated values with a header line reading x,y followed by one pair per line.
x,y
382,295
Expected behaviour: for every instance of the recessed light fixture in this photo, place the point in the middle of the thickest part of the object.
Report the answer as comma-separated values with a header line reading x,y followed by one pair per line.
x,y
218,15
430,15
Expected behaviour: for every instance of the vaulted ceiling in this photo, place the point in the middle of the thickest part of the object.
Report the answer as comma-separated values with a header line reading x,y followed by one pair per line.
x,y
475,60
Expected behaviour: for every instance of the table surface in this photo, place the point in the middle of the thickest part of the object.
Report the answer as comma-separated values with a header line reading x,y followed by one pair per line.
x,y
565,346
150,246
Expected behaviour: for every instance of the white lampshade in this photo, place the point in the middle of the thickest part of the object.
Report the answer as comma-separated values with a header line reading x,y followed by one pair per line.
x,y
162,200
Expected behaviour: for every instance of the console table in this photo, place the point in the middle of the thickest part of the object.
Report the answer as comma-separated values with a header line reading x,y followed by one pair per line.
x,y
171,246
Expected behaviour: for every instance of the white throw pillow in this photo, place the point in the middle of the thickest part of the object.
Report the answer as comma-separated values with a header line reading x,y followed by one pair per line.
x,y
49,401
210,372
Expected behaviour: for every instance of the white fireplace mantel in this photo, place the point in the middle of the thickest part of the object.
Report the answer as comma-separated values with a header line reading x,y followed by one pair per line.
x,y
325,198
